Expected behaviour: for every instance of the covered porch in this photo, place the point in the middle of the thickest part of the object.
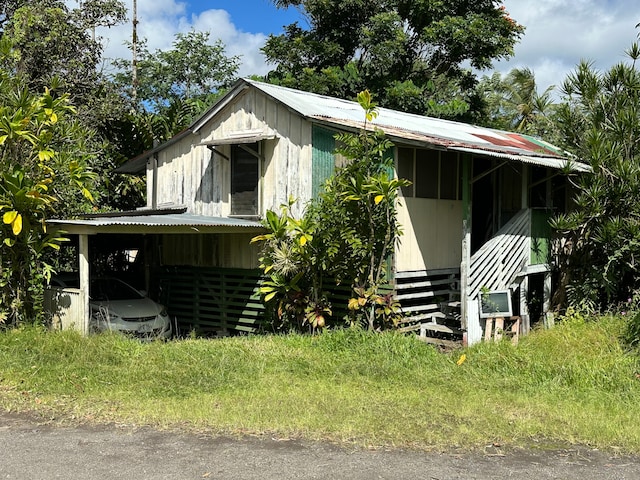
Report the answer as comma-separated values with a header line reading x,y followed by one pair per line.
x,y
505,204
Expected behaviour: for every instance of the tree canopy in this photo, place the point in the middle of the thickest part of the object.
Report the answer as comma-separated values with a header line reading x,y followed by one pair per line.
x,y
513,102
51,40
410,54
192,70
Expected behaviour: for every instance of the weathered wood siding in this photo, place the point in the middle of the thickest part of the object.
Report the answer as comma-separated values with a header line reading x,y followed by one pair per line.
x,y
431,236
231,250
189,174
66,307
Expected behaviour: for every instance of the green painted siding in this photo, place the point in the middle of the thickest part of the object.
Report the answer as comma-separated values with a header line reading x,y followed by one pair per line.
x,y
540,236
323,161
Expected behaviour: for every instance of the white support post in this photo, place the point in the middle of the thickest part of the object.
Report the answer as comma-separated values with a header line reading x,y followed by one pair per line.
x,y
524,307
547,292
83,270
524,285
470,318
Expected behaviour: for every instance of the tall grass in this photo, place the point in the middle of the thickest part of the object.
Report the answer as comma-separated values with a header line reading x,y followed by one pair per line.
x,y
571,384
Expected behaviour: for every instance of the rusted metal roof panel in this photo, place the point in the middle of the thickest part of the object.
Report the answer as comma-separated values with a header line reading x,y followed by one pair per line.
x,y
399,126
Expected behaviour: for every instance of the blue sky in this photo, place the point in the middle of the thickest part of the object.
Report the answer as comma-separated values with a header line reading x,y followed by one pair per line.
x,y
559,33
249,15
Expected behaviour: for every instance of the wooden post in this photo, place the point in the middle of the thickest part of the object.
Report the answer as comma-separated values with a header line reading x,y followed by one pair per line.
x,y
524,285
466,244
83,270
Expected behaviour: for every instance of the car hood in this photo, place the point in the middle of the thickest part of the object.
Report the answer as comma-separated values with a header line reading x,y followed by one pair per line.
x,y
141,307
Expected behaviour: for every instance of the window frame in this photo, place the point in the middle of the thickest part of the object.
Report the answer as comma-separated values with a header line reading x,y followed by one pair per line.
x,y
412,190
250,153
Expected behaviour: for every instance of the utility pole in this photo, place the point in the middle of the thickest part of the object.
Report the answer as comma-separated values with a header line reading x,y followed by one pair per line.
x,y
134,46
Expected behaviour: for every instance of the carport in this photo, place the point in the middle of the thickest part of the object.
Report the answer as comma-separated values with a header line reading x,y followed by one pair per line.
x,y
189,246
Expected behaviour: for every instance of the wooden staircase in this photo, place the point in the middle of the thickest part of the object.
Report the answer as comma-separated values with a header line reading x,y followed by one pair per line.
x,y
431,298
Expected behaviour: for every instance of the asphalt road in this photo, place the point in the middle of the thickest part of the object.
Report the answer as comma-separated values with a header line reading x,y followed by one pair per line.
x,y
33,450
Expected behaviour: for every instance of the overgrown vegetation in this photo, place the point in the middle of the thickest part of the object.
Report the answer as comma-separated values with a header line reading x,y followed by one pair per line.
x,y
572,384
43,159
344,237
599,121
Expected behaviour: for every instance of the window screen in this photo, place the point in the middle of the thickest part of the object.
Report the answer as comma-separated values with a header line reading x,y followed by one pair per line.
x,y
245,175
405,169
427,173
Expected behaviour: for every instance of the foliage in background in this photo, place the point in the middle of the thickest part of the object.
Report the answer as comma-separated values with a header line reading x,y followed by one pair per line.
x,y
345,236
194,70
599,121
54,46
409,54
52,40
172,88
43,162
512,103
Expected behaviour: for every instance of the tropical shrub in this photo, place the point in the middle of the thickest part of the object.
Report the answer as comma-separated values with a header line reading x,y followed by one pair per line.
x,y
42,162
345,236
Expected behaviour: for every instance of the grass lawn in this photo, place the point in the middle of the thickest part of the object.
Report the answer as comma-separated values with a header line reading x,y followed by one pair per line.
x,y
574,384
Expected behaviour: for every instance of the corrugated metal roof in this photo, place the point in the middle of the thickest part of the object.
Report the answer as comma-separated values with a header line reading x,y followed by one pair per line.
x,y
144,222
399,126
418,128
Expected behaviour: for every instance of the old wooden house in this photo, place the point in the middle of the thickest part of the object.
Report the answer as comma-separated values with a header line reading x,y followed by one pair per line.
x,y
474,217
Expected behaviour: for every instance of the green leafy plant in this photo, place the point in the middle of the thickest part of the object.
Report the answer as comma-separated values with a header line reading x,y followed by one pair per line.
x,y
37,134
598,121
346,235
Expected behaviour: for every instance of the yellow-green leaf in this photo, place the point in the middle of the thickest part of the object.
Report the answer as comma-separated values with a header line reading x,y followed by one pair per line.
x,y
87,194
16,225
378,199
45,155
353,304
302,240
9,217
258,238
270,296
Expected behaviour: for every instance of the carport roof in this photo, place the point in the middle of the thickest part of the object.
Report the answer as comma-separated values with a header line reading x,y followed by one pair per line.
x,y
156,223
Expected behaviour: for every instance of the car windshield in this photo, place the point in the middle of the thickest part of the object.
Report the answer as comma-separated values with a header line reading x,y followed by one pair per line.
x,y
111,289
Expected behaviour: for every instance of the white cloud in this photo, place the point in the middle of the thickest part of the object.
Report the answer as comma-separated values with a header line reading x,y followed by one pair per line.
x,y
561,33
160,20
244,44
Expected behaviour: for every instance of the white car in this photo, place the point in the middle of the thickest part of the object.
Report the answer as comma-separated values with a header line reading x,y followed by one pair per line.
x,y
117,306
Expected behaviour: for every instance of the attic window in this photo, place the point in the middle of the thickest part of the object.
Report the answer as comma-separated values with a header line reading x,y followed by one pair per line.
x,y
245,178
